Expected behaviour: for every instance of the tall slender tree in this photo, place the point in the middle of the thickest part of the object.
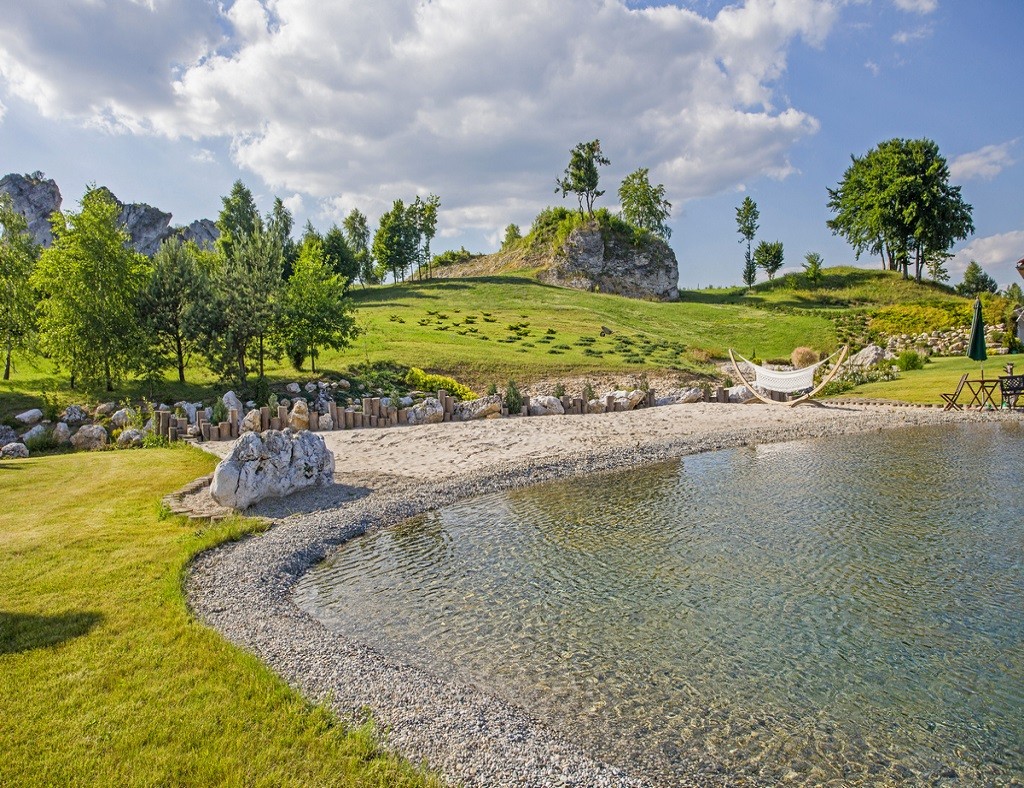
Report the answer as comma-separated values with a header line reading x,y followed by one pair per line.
x,y
644,205
747,217
90,279
239,218
18,256
357,233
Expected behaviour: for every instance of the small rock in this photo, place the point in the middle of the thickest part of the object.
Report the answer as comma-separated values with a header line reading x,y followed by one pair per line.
x,y
33,416
61,434
130,439
344,384
74,415
105,409
121,417
293,388
310,387
37,432
251,422
14,451
89,438
7,435
430,411
232,402
545,406
298,419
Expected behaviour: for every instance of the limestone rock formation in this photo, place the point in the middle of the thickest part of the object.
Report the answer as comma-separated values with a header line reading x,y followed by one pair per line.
x,y
251,422
202,232
430,411
273,464
869,356
546,406
478,408
36,198
599,260
298,419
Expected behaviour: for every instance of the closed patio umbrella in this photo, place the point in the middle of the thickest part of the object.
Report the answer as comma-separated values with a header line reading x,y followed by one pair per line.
x,y
976,347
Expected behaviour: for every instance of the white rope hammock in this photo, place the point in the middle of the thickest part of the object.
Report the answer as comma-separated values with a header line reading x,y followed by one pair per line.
x,y
787,381
790,381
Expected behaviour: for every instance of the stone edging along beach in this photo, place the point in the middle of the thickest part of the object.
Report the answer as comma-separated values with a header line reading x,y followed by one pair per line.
x,y
386,476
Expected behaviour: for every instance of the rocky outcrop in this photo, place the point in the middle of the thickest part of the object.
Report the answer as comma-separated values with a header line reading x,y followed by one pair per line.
x,y
273,464
480,408
430,411
36,198
546,406
602,260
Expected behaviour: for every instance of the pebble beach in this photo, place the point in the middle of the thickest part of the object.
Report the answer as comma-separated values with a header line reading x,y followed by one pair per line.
x,y
385,476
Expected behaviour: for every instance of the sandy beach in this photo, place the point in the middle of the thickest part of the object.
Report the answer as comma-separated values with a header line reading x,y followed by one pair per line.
x,y
384,476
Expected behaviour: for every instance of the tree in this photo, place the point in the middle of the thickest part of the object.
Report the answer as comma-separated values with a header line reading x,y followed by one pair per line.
x,y
581,176
280,222
18,256
812,269
425,218
976,281
243,305
315,311
769,256
896,202
89,280
396,242
644,205
1014,294
747,216
238,218
357,233
512,234
339,256
170,304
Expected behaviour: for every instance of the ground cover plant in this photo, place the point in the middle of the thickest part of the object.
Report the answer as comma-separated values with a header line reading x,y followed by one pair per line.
x,y
106,679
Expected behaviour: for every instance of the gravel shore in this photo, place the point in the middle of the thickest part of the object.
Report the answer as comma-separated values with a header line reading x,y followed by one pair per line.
x,y
385,476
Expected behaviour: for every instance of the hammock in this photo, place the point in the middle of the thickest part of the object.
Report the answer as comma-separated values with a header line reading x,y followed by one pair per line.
x,y
789,381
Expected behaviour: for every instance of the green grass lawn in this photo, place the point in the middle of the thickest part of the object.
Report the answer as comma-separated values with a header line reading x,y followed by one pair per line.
x,y
940,376
105,678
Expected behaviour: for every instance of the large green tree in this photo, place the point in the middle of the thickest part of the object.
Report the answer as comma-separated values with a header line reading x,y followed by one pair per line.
x,y
339,255
769,256
239,218
280,222
315,311
425,217
171,304
18,255
644,205
896,201
396,242
89,280
747,217
581,176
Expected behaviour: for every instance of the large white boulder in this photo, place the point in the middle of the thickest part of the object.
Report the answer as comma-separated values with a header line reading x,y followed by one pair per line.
x,y
61,434
38,431
89,437
130,439
273,464
74,415
232,402
868,357
7,435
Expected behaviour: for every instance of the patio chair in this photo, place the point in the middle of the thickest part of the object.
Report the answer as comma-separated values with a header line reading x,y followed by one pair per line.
x,y
951,399
1012,389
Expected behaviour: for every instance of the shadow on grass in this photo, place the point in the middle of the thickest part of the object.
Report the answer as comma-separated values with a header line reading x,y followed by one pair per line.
x,y
7,465
26,631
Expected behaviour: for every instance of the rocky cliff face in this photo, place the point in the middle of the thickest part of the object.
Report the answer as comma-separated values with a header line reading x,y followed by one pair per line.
x,y
603,261
36,198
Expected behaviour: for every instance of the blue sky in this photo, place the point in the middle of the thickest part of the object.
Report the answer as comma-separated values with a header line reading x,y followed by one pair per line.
x,y
334,105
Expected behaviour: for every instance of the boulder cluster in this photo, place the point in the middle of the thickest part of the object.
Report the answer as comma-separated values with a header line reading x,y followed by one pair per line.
x,y
952,342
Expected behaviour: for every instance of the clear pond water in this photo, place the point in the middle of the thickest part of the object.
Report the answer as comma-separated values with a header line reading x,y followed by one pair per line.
x,y
847,610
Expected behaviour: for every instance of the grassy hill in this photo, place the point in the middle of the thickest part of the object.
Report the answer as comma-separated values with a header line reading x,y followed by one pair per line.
x,y
488,329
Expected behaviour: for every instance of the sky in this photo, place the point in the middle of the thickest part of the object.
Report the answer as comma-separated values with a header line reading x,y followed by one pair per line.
x,y
338,104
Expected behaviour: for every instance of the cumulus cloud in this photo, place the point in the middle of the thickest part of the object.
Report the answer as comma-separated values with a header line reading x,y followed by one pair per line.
x,y
204,156
917,6
997,254
873,67
985,162
908,36
356,103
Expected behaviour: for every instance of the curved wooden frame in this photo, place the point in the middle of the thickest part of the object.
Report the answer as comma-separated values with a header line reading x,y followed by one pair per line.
x,y
805,398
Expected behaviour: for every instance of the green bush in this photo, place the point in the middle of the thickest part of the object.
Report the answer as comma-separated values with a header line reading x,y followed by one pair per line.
x,y
908,360
418,379
513,399
559,390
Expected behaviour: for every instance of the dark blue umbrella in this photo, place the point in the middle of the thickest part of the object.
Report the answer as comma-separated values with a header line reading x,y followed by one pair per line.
x,y
976,345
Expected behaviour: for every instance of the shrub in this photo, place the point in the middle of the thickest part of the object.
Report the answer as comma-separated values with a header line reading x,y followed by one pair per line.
x,y
492,389
260,391
423,381
588,392
513,399
40,443
51,406
908,360
220,412
559,390
804,357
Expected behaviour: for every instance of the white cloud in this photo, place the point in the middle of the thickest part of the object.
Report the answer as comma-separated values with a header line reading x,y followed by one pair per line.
x,y
355,103
873,67
917,6
917,34
985,162
294,203
204,156
997,254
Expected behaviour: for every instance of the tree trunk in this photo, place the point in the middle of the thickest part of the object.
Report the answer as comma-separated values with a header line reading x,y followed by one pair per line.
x,y
7,364
181,358
261,355
106,374
312,358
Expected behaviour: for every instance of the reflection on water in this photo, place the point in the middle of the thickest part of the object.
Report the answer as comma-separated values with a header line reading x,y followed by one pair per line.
x,y
847,610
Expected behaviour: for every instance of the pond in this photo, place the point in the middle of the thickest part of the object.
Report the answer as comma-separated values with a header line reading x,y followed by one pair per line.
x,y
847,609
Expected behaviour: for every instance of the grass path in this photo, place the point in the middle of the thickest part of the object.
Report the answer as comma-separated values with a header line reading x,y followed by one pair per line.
x,y
105,679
